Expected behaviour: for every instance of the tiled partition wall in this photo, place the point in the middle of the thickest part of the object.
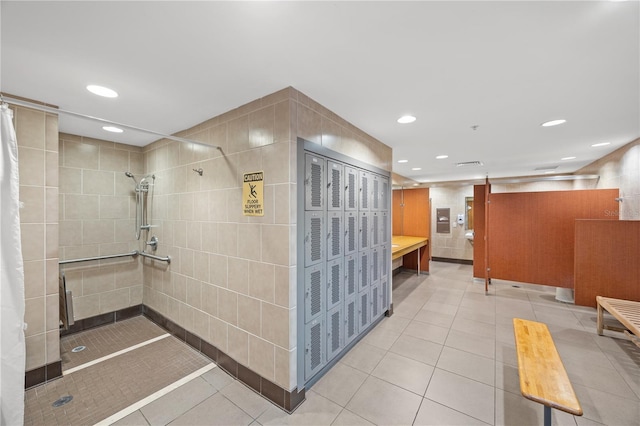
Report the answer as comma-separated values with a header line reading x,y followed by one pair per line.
x,y
37,134
453,245
97,208
232,278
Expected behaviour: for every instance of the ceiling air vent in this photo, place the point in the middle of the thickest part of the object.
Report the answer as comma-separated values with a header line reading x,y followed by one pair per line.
x,y
469,163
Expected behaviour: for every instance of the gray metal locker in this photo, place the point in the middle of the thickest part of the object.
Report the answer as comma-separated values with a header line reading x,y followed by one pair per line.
x,y
375,192
315,346
335,283
335,332
376,262
384,294
351,230
335,235
376,302
364,270
314,182
384,194
335,185
351,188
376,223
364,232
314,292
365,190
350,275
314,236
350,320
385,259
364,310
384,228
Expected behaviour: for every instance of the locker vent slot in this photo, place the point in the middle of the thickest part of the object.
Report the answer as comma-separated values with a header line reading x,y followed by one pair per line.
x,y
385,188
364,275
375,229
364,229
384,261
335,192
384,295
384,230
335,236
316,185
316,295
351,276
335,283
374,302
335,331
352,233
351,319
352,191
316,238
315,346
375,194
364,190
375,266
363,309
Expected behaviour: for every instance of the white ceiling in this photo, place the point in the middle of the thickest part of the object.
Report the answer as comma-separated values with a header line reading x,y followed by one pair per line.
x,y
503,66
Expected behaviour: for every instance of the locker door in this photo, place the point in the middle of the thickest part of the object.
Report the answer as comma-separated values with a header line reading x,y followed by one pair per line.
x,y
335,235
335,332
364,231
314,347
335,283
350,275
314,292
384,194
375,192
335,185
314,182
375,302
385,258
364,270
384,295
351,189
375,228
384,228
351,236
365,190
350,320
314,236
376,261
364,310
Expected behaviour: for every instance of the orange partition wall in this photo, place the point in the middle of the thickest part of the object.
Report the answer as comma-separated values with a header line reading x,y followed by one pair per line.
x,y
478,230
415,217
396,212
532,234
607,260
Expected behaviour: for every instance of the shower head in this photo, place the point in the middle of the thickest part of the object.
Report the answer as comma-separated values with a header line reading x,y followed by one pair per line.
x,y
129,174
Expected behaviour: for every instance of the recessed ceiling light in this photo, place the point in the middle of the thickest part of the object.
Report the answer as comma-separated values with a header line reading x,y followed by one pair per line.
x,y
416,168
112,129
441,157
568,158
403,161
553,123
416,184
406,119
601,144
102,91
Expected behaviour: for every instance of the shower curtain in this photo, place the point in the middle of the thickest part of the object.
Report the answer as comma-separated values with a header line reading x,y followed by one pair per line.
x,y
12,344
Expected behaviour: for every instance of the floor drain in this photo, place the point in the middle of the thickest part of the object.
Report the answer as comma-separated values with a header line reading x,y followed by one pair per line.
x,y
64,400
78,349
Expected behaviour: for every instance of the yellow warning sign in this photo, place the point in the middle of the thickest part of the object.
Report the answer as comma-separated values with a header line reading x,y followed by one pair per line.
x,y
253,194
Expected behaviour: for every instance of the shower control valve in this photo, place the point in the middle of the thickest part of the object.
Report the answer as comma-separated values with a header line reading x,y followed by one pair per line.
x,y
153,243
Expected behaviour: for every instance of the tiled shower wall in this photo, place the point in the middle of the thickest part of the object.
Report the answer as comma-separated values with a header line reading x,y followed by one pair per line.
x,y
620,169
232,278
97,208
37,134
453,245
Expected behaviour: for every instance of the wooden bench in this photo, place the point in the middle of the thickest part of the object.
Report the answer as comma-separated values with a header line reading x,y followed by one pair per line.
x,y
543,378
625,311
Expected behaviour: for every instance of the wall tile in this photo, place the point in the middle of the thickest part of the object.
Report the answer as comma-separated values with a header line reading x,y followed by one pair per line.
x,y
194,235
34,316
201,266
238,278
81,154
218,267
34,279
238,345
261,281
210,299
81,207
228,306
275,163
97,182
70,180
30,128
32,166
262,357
282,120
51,241
228,239
86,306
285,286
249,241
261,127
33,238
238,134
209,237
194,293
51,132
249,314
309,124
52,339
51,205
114,300
51,168
275,324
114,159
284,360
98,232
275,244
33,200
218,333
201,324
36,351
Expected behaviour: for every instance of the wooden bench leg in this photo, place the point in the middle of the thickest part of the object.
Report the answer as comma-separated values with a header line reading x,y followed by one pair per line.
x,y
547,416
600,319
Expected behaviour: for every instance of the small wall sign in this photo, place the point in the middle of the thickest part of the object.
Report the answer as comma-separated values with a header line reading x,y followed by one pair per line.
x,y
253,194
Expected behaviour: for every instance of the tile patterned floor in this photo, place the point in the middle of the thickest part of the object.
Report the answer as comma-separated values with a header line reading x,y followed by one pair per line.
x,y
446,357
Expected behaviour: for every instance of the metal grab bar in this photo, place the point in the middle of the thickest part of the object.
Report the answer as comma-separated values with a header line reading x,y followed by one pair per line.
x,y
154,257
88,259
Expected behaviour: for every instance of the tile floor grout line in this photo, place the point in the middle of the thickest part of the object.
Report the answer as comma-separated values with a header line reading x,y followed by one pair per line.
x,y
115,354
156,395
